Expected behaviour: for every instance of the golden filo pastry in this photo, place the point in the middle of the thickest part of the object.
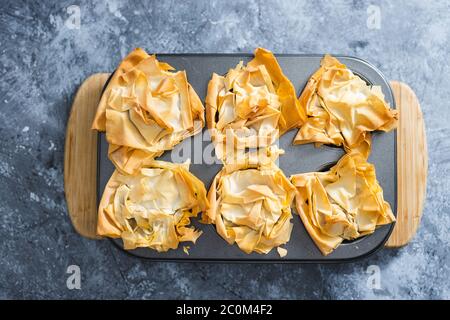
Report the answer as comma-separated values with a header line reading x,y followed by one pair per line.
x,y
252,105
146,108
152,208
250,203
345,202
342,109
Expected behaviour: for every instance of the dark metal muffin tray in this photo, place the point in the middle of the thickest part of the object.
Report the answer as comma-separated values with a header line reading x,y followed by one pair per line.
x,y
297,159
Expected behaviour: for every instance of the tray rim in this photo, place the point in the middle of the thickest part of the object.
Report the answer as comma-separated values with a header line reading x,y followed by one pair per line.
x,y
188,259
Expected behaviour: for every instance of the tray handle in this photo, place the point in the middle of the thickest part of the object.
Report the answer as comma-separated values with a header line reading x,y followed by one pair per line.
x,y
412,165
80,157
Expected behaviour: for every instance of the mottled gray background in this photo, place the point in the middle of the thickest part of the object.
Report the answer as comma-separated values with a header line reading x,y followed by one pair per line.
x,y
43,62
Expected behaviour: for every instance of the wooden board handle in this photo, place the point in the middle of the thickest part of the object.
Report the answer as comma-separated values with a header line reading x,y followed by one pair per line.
x,y
412,165
80,161
80,157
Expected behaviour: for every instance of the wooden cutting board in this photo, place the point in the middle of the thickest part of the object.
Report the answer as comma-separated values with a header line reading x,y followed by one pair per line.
x,y
80,161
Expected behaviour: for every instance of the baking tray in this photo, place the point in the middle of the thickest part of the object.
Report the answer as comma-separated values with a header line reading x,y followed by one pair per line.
x,y
210,247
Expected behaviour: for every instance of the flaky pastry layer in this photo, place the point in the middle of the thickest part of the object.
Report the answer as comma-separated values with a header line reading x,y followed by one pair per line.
x,y
342,109
250,203
345,202
153,207
146,108
251,106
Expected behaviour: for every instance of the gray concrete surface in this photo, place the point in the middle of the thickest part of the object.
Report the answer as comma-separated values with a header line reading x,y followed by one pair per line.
x,y
43,60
